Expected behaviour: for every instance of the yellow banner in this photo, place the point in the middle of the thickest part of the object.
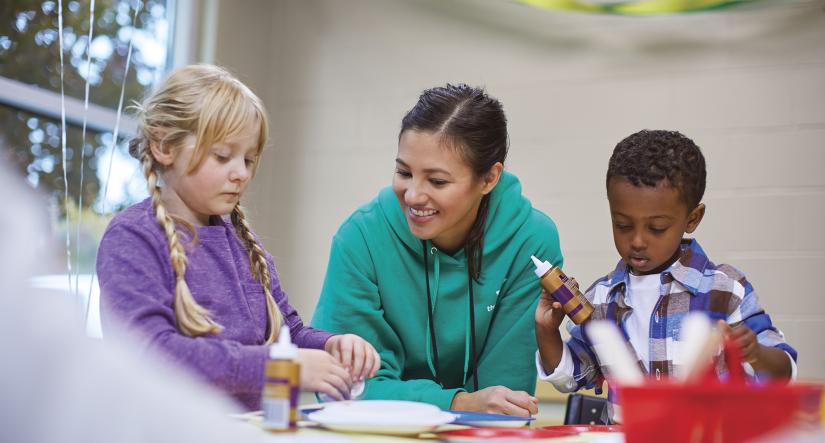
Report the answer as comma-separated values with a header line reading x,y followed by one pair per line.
x,y
640,7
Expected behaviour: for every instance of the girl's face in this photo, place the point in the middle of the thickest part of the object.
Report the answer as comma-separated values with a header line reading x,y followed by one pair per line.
x,y
437,190
648,223
216,186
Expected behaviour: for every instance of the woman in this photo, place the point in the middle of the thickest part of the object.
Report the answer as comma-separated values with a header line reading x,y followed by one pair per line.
x,y
436,270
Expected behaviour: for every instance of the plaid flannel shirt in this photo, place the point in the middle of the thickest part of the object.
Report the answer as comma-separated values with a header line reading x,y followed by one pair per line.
x,y
692,283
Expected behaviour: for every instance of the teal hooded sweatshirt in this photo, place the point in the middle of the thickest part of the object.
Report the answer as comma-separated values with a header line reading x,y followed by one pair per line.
x,y
375,288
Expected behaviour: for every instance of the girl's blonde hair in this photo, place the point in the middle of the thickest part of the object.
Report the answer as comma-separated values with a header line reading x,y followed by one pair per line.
x,y
209,103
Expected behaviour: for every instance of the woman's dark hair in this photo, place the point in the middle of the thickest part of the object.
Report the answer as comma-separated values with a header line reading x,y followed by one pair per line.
x,y
647,158
473,123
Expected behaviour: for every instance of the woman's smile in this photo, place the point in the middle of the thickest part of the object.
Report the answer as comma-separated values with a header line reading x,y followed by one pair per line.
x,y
421,215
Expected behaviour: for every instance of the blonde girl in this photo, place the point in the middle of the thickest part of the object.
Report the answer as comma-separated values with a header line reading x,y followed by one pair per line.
x,y
184,269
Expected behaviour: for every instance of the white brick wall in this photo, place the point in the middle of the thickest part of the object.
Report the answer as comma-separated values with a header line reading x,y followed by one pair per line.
x,y
748,84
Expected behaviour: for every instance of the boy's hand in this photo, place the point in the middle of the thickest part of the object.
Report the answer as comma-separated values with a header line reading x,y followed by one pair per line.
x,y
496,400
355,354
765,360
549,314
745,339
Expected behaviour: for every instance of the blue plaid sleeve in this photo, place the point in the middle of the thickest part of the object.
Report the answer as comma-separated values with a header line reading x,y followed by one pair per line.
x,y
586,369
751,313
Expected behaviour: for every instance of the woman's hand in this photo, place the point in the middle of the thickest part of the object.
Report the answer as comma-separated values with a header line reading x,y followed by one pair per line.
x,y
355,354
496,400
321,372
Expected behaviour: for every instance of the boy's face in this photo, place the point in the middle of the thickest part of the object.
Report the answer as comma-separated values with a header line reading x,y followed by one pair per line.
x,y
648,223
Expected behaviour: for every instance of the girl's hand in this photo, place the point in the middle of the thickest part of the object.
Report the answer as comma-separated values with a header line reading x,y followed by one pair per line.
x,y
321,372
549,314
496,400
355,354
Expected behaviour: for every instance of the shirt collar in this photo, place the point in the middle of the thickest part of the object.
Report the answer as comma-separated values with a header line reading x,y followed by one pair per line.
x,y
688,269
691,265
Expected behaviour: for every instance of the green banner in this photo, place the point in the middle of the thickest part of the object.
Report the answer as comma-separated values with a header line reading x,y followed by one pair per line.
x,y
640,7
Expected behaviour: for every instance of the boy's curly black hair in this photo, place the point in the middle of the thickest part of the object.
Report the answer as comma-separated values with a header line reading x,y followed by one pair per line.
x,y
650,156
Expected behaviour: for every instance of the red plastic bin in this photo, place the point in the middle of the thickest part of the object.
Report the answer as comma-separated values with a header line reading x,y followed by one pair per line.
x,y
726,413
714,411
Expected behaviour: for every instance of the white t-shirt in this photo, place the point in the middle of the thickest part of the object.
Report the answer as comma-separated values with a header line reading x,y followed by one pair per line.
x,y
642,295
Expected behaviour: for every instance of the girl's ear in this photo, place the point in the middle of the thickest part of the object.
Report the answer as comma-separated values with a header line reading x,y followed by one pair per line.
x,y
695,217
162,153
492,177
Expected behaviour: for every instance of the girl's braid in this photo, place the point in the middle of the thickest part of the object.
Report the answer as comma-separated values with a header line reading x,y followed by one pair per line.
x,y
260,269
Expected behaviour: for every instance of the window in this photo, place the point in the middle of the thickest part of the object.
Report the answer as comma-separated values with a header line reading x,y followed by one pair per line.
x,y
30,108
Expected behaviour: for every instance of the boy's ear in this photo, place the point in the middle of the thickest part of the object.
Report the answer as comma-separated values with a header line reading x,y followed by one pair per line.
x,y
695,217
492,177
162,153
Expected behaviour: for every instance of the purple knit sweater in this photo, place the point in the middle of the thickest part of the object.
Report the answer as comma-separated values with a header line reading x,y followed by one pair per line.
x,y
137,285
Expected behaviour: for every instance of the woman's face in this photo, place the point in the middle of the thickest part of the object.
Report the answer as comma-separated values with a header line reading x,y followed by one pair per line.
x,y
437,190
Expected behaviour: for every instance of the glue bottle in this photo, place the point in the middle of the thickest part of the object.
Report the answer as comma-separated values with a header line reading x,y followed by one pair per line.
x,y
281,385
565,290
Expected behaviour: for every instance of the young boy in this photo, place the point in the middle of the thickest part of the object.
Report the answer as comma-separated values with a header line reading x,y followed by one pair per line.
x,y
655,183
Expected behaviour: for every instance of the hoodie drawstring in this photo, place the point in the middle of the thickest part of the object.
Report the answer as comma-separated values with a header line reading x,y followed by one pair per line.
x,y
431,323
430,311
473,373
